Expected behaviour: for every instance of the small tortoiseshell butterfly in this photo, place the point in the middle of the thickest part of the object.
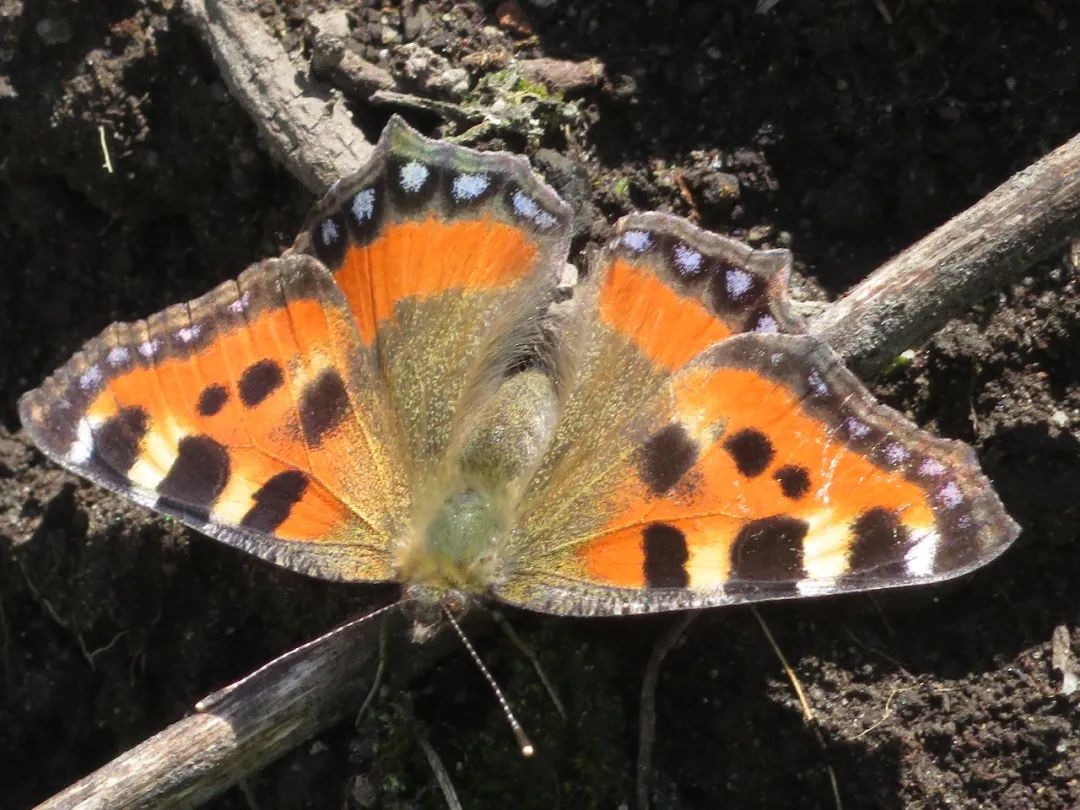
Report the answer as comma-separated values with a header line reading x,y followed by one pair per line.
x,y
410,394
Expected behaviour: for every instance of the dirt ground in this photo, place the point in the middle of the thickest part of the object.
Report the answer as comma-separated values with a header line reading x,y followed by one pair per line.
x,y
844,130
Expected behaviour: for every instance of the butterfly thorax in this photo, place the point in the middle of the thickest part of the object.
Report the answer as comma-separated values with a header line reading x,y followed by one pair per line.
x,y
455,551
451,563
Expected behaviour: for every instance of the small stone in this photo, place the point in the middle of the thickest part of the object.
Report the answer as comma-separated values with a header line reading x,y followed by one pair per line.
x,y
513,18
563,75
416,23
334,23
433,73
54,30
758,234
1059,419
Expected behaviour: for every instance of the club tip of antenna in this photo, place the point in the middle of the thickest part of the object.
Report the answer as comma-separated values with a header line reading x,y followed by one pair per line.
x,y
524,743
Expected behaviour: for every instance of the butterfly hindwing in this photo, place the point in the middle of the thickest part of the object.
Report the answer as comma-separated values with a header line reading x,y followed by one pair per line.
x,y
250,414
760,469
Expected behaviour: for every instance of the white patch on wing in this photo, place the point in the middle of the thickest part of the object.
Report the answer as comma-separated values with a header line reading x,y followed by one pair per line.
x,y
83,447
896,454
469,186
738,283
524,205
413,176
766,324
329,232
919,559
545,221
188,334
950,495
688,259
363,205
118,356
637,241
90,379
932,467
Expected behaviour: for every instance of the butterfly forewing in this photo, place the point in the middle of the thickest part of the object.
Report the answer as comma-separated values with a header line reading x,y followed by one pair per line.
x,y
252,414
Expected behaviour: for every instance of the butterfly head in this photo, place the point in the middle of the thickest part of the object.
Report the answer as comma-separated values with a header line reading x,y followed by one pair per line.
x,y
450,565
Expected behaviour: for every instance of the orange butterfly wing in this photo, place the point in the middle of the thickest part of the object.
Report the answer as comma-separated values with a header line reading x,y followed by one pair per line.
x,y
448,258
251,414
760,469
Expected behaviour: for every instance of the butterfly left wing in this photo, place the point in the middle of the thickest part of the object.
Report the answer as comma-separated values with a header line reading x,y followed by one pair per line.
x,y
761,469
251,414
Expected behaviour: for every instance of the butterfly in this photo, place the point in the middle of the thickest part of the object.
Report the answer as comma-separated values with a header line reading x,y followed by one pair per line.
x,y
419,391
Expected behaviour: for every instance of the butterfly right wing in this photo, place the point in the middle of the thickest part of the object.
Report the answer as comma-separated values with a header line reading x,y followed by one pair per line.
x,y
253,414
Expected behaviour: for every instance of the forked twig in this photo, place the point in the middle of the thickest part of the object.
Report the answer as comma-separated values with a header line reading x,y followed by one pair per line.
x,y
898,306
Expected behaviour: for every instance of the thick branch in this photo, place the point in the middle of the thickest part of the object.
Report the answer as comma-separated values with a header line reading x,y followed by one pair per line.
x,y
912,296
245,727
304,126
899,305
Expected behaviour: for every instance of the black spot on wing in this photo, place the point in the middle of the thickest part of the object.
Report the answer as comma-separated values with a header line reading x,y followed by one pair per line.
x,y
275,500
197,477
259,381
879,540
769,550
664,548
794,481
212,400
117,440
323,406
666,457
751,451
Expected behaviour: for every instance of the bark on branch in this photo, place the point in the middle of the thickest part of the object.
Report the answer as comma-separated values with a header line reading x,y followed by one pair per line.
x,y
899,305
304,124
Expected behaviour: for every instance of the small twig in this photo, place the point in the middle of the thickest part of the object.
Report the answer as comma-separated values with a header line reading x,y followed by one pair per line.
x,y
107,164
376,682
647,709
515,639
441,774
808,715
887,712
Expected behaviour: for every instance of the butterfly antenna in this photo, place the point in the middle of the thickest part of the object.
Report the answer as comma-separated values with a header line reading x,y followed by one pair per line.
x,y
523,741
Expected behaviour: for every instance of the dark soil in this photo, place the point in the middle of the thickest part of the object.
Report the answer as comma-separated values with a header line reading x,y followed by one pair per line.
x,y
849,136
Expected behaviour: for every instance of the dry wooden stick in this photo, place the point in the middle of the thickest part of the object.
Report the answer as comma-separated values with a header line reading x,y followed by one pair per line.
x,y
299,696
967,259
243,729
305,125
